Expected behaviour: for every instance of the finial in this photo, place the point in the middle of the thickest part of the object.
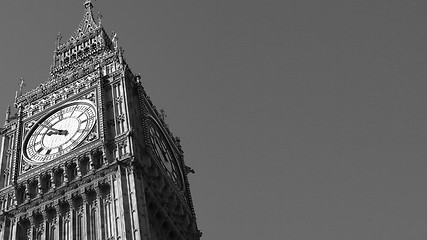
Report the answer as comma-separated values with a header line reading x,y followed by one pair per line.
x,y
7,114
99,18
120,52
138,78
114,40
58,40
88,4
21,86
163,114
188,170
19,92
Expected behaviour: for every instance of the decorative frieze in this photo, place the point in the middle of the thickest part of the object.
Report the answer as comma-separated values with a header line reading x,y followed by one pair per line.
x,y
34,106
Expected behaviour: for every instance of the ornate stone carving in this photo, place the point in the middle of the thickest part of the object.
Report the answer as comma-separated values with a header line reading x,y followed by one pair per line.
x,y
26,167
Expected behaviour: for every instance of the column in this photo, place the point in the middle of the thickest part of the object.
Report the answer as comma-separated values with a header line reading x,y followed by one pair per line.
x,y
45,226
85,214
39,185
91,167
79,173
71,217
100,215
30,230
56,221
64,172
52,179
107,215
14,222
102,157
2,205
26,194
106,160
110,216
2,228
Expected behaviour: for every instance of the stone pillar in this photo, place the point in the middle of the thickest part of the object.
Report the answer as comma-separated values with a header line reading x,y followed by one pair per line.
x,y
107,216
2,228
55,220
64,172
90,162
134,223
84,211
14,228
39,185
44,226
99,213
110,216
30,230
78,170
11,201
52,179
27,194
103,157
2,205
71,216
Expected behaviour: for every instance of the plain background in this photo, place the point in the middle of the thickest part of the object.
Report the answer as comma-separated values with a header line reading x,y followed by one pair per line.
x,y
302,119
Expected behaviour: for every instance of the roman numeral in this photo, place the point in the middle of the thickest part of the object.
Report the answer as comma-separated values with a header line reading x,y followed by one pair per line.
x,y
82,113
40,149
60,115
73,110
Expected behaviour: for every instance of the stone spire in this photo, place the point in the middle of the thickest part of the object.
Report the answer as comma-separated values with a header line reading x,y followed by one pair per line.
x,y
89,38
87,24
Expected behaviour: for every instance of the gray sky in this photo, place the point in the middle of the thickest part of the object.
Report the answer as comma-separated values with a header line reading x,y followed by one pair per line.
x,y
303,119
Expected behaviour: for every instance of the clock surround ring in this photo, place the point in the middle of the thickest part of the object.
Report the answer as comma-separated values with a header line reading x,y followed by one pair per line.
x,y
58,131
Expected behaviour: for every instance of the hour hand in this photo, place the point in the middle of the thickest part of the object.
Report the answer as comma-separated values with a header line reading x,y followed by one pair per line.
x,y
54,130
58,132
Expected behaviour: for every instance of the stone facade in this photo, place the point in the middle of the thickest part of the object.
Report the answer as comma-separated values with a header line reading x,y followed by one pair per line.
x,y
126,179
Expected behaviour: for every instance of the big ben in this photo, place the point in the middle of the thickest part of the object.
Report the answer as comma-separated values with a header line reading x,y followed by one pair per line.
x,y
88,155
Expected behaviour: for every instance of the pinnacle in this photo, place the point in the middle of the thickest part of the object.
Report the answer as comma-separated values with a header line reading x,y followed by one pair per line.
x,y
88,4
87,24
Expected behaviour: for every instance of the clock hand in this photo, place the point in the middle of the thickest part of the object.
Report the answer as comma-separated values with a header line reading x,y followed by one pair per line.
x,y
53,129
59,132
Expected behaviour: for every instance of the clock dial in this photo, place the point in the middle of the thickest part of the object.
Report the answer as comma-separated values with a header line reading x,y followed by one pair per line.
x,y
164,153
59,131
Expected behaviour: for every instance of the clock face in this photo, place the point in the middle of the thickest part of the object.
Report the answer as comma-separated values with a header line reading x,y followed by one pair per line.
x,y
59,131
164,153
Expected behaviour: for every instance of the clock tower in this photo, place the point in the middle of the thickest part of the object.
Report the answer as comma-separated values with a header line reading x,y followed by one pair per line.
x,y
87,155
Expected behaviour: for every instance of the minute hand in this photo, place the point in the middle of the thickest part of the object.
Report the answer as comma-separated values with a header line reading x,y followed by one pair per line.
x,y
51,128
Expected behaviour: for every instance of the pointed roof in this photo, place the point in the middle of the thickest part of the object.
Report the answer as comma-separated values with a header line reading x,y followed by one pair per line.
x,y
87,24
90,39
